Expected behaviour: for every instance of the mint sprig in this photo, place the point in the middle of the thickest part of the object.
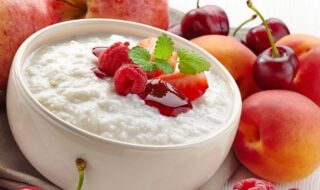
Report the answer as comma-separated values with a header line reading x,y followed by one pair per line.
x,y
141,57
164,66
189,61
164,48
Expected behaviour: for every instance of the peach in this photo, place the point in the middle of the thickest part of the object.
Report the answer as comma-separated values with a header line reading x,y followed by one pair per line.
x,y
300,43
279,135
235,56
306,80
151,12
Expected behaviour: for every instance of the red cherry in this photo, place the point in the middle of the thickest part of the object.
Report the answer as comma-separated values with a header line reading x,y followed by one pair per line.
x,y
257,37
209,19
275,73
275,67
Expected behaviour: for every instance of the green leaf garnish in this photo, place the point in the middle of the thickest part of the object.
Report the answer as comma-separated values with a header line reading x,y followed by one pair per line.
x,y
191,63
141,57
164,47
164,66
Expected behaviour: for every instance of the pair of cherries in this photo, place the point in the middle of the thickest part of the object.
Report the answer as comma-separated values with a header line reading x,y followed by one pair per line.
x,y
274,68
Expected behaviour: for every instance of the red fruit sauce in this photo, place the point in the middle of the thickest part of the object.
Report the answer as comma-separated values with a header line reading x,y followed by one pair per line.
x,y
164,97
100,74
98,50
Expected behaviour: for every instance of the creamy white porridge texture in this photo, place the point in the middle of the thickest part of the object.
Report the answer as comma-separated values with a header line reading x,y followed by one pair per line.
x,y
59,76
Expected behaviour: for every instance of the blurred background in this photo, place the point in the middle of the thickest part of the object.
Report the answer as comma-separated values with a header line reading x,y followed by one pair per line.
x,y
300,16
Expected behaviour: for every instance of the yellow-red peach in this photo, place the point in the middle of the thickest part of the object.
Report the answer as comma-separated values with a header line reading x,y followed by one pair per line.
x,y
235,56
279,135
300,43
307,78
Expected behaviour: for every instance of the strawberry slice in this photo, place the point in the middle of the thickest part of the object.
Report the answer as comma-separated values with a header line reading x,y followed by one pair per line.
x,y
192,86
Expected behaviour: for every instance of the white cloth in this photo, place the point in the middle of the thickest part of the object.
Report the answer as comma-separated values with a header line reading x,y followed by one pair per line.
x,y
15,170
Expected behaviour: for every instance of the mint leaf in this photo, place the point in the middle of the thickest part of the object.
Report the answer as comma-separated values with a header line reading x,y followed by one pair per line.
x,y
141,57
191,63
164,66
164,47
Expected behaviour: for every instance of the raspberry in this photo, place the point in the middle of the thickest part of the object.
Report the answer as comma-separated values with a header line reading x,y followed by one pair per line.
x,y
253,184
113,57
130,78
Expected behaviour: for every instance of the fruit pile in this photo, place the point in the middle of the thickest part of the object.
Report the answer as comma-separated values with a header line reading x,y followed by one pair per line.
x,y
149,70
278,75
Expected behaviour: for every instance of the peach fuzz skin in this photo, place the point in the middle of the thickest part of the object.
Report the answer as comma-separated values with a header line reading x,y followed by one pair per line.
x,y
236,57
306,80
279,135
300,43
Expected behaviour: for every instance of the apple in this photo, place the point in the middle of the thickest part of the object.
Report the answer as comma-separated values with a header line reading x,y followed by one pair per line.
x,y
236,57
307,49
19,19
279,135
151,12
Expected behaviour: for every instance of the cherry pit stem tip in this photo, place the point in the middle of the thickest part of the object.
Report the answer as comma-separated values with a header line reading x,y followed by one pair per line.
x,y
275,52
81,165
244,23
198,4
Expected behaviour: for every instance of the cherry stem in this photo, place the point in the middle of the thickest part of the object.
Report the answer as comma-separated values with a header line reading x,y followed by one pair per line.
x,y
275,52
198,4
244,23
81,165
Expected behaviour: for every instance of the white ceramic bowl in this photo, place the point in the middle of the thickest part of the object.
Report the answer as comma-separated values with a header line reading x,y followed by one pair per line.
x,y
52,145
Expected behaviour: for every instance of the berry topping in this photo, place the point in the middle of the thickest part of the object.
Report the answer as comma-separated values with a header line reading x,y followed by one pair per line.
x,y
113,57
100,74
253,184
97,51
154,58
130,78
150,44
192,86
165,97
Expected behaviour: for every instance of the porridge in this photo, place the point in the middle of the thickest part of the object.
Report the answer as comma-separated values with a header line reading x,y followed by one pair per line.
x,y
60,77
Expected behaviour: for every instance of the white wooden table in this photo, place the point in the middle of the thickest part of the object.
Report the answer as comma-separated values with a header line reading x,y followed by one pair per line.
x,y
300,17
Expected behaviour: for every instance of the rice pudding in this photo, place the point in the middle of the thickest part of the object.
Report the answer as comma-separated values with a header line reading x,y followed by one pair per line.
x,y
59,76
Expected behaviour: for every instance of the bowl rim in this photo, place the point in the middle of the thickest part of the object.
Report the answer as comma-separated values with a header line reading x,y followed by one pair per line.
x,y
60,123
